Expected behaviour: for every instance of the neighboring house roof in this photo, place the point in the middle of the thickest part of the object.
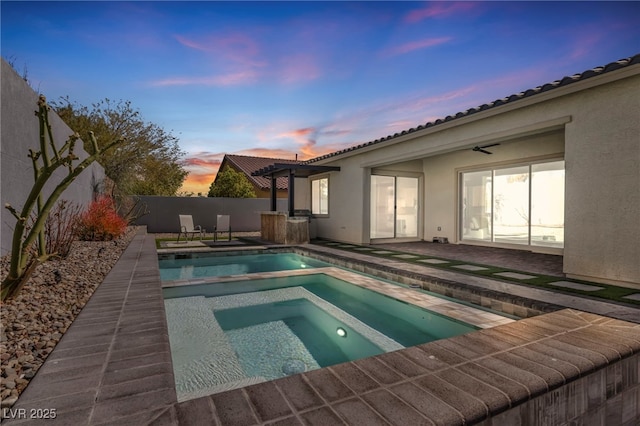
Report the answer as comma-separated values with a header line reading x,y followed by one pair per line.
x,y
622,63
247,165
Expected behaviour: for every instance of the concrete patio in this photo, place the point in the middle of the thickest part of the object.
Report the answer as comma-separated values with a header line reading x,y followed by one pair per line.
x,y
113,366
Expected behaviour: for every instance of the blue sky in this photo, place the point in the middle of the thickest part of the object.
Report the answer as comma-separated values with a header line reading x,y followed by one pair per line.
x,y
277,79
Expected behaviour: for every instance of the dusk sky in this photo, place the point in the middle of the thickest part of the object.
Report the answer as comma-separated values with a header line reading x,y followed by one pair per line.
x,y
277,79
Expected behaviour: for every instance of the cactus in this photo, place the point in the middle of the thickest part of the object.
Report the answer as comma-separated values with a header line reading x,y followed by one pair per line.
x,y
23,261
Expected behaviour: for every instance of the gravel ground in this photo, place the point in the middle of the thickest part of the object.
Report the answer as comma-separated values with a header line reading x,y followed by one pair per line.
x,y
32,323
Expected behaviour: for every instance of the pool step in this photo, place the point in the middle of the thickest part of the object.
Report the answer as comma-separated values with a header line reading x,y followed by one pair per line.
x,y
202,355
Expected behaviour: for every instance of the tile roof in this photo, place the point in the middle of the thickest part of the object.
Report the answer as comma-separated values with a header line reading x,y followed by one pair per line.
x,y
248,164
622,63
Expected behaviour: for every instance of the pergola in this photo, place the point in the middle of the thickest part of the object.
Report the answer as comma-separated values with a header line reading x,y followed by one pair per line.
x,y
291,171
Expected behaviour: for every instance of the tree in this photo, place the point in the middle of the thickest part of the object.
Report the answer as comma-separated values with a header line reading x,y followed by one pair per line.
x,y
148,164
232,184
23,260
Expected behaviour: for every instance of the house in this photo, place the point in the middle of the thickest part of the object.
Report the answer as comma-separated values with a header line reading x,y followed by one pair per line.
x,y
247,164
553,169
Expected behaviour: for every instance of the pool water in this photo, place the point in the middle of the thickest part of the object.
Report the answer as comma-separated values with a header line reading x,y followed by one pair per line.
x,y
198,265
227,335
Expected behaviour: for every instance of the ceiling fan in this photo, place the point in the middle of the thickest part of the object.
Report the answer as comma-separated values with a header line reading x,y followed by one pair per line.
x,y
482,148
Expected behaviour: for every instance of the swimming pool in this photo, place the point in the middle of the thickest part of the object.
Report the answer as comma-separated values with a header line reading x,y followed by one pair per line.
x,y
180,266
232,331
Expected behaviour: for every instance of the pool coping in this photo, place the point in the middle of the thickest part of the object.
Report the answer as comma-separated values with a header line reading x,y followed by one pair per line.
x,y
524,301
113,366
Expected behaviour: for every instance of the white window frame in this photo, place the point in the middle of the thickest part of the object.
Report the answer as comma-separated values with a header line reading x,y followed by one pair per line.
x,y
316,197
493,168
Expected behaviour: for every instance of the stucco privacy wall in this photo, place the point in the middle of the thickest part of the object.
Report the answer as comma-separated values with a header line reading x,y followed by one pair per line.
x,y
596,122
244,212
19,133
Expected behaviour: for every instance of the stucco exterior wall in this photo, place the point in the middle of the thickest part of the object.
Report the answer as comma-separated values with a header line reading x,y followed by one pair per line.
x,y
602,185
345,219
441,176
19,133
301,193
594,124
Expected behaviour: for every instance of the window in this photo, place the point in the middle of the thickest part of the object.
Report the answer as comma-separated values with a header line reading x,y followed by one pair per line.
x,y
521,205
320,196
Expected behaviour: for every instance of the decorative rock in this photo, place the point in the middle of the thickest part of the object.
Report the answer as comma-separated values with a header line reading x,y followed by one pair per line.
x,y
34,321
8,402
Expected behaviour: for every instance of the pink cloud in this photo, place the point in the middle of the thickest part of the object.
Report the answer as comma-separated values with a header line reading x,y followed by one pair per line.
x,y
307,140
241,61
585,43
298,67
299,133
236,56
415,45
437,10
230,79
285,154
200,159
239,48
202,168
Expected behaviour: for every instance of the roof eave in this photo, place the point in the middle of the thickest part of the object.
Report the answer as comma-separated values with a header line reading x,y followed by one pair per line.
x,y
462,118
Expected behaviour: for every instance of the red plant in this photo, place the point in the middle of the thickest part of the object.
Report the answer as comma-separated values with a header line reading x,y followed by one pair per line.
x,y
101,222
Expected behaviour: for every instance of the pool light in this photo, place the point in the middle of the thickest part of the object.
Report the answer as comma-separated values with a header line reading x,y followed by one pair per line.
x,y
341,332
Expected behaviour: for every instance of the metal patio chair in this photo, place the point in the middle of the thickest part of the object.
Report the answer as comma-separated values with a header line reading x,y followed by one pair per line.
x,y
187,227
223,225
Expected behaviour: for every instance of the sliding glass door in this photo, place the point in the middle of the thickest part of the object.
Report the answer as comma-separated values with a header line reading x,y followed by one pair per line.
x,y
521,205
511,205
476,206
383,196
547,204
394,207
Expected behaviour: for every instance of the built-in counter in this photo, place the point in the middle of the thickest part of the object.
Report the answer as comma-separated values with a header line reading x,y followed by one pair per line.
x,y
279,228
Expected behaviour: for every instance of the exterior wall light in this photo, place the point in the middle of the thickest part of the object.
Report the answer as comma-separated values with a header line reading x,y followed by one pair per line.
x,y
341,332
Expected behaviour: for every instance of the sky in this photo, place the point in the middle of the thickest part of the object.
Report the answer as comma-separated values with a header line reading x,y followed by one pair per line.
x,y
280,79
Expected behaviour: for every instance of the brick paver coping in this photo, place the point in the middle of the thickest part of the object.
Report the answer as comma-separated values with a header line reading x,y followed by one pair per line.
x,y
113,366
512,298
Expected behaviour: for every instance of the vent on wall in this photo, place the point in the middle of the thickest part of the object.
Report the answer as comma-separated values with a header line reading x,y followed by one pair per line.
x,y
441,240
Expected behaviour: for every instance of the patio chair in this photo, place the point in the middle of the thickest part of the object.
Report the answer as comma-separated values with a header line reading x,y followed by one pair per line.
x,y
222,226
186,228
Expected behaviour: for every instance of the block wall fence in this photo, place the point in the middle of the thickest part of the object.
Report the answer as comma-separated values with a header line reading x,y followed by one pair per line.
x,y
244,212
19,133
